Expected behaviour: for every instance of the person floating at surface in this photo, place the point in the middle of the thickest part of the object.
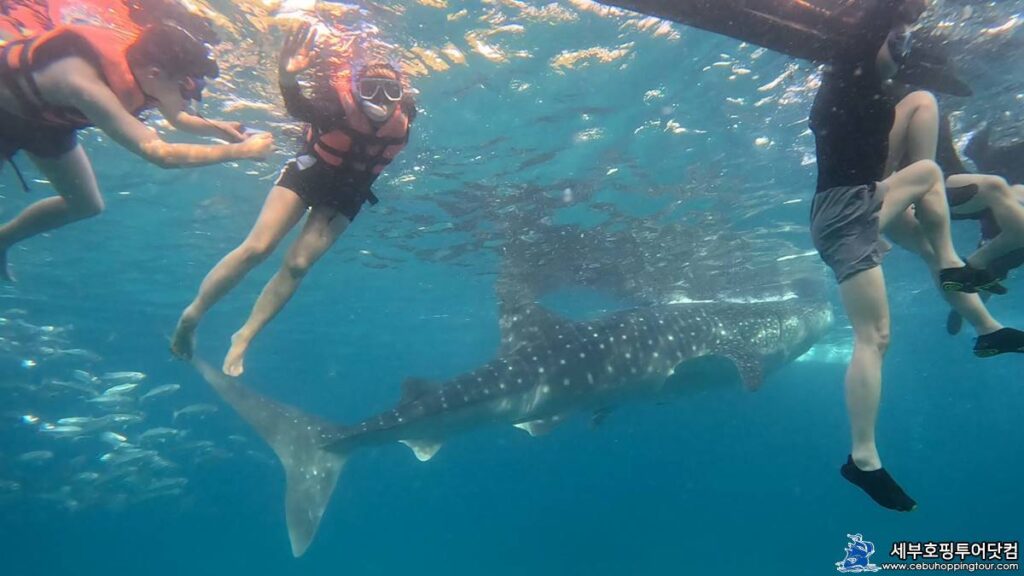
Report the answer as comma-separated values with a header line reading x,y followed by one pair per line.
x,y
1001,163
58,81
359,122
920,133
851,119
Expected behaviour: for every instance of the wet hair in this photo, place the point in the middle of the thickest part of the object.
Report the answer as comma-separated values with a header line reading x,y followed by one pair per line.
x,y
147,13
172,49
379,70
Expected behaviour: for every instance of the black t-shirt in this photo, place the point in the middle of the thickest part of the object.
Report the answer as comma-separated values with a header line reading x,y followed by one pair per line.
x,y
852,114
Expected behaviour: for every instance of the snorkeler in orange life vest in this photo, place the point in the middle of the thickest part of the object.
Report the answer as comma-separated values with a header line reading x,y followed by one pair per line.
x,y
57,78
359,121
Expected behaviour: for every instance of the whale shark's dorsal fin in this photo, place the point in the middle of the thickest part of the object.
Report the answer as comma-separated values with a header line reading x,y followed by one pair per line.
x,y
423,449
525,323
416,388
540,427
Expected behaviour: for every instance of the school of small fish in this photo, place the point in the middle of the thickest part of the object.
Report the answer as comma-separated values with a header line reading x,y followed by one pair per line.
x,y
75,437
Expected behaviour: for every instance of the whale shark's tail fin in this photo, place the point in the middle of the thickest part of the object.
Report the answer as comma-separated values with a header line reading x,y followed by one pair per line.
x,y
311,472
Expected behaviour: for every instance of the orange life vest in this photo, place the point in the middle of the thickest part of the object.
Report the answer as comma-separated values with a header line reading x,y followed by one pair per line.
x,y
106,49
354,146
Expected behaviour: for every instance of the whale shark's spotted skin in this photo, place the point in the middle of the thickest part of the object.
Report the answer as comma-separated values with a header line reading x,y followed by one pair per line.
x,y
547,368
549,365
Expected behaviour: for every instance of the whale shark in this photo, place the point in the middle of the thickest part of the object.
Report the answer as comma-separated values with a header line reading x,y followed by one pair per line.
x,y
547,368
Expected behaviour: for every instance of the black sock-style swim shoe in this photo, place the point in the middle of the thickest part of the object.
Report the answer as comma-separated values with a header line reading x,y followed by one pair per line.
x,y
999,342
879,485
969,279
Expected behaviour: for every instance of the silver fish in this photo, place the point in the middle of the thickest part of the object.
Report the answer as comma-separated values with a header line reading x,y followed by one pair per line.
x,y
114,401
77,386
83,421
60,431
36,456
161,391
88,355
158,434
124,419
122,377
113,438
126,455
195,410
120,389
85,378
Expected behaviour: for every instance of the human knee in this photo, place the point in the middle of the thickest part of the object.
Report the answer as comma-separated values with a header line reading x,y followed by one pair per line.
x,y
992,186
927,172
256,250
876,338
87,207
922,101
298,265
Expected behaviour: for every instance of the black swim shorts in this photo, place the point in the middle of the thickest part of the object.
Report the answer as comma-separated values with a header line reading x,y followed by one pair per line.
x,y
319,184
845,229
18,133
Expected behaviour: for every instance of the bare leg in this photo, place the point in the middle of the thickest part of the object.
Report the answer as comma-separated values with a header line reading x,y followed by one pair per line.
x,y
281,211
995,194
866,305
72,177
865,302
908,230
915,131
920,185
322,228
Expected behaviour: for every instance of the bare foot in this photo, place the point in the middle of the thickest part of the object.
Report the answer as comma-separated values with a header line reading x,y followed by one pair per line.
x,y
183,343
234,362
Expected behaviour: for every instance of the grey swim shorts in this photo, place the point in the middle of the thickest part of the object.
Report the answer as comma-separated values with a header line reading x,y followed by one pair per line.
x,y
844,227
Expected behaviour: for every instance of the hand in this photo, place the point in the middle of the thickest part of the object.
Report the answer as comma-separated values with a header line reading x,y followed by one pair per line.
x,y
255,147
297,52
232,131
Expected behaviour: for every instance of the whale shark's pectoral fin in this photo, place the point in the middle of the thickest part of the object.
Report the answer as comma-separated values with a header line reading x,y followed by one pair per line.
x,y
540,427
749,366
423,449
525,323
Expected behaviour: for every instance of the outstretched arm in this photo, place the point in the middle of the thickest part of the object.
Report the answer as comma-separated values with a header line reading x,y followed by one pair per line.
x,y
227,130
94,99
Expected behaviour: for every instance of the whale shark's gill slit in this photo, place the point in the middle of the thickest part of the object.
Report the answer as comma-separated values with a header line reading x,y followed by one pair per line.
x,y
299,440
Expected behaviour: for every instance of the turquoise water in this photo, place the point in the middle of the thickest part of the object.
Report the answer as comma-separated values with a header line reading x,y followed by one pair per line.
x,y
721,482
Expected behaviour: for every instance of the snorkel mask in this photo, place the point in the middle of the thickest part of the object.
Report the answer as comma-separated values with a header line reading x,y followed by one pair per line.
x,y
369,89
